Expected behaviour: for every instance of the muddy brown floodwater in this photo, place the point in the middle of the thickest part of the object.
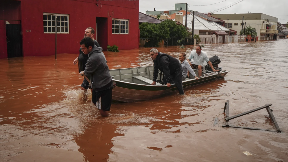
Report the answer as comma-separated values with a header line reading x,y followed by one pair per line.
x,y
43,116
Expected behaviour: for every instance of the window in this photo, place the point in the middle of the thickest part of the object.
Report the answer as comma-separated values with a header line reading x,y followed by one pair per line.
x,y
228,25
120,26
49,23
235,24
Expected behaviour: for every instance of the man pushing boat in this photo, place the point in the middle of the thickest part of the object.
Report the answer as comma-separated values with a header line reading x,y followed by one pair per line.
x,y
97,69
171,68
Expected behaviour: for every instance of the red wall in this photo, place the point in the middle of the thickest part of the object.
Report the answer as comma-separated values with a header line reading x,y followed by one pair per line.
x,y
82,14
10,11
3,43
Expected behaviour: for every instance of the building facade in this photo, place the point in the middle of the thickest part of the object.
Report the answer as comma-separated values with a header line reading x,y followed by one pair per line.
x,y
265,25
115,22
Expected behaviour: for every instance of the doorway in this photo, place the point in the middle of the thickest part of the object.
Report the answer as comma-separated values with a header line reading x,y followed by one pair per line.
x,y
102,32
14,40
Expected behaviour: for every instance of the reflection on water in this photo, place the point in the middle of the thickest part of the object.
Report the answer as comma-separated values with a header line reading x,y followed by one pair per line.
x,y
45,115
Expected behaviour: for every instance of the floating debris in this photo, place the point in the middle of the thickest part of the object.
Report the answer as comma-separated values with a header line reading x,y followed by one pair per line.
x,y
247,153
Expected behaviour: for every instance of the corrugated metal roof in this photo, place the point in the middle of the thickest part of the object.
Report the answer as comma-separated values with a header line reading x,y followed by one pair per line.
x,y
201,24
204,16
146,18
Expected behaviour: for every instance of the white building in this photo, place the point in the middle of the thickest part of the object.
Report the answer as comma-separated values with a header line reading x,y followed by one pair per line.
x,y
265,25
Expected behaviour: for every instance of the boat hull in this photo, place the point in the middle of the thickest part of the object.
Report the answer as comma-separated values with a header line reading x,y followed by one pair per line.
x,y
132,89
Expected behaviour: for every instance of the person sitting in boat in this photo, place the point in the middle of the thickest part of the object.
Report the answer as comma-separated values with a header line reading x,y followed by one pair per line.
x,y
199,58
186,67
171,68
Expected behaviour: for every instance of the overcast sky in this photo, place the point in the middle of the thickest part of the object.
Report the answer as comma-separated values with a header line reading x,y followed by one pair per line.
x,y
278,9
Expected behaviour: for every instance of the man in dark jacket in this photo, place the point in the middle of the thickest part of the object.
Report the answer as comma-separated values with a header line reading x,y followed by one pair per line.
x,y
171,68
97,69
82,58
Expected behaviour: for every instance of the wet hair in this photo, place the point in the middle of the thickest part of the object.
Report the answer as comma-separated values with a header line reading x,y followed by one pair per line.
x,y
92,30
199,46
87,41
154,50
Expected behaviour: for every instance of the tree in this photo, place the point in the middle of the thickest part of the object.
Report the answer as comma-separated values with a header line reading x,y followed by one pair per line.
x,y
198,40
174,33
151,33
249,31
166,30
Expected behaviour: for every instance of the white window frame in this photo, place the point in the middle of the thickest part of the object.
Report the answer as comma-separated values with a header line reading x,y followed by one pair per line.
x,y
49,23
120,26
228,25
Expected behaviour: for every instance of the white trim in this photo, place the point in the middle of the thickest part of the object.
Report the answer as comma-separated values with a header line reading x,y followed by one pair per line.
x,y
49,23
117,26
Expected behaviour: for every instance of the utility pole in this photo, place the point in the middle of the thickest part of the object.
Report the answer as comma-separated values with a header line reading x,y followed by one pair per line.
x,y
55,37
242,24
193,29
186,17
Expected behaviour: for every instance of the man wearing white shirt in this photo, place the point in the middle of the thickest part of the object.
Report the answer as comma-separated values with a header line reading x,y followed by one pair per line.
x,y
199,58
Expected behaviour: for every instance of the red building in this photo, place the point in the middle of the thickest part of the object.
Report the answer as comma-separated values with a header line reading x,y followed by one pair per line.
x,y
27,27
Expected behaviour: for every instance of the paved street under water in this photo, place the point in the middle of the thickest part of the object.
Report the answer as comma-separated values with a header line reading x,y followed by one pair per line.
x,y
44,117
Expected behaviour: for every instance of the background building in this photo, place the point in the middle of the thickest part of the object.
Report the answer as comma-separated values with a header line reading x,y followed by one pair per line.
x,y
265,25
30,25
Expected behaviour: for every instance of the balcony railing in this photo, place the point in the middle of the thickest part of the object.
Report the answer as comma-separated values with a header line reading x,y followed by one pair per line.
x,y
269,31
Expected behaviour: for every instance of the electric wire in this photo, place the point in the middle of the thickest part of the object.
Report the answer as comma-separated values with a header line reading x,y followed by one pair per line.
x,y
210,4
226,7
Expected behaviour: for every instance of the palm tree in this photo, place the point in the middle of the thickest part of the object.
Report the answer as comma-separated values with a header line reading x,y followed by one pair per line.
x,y
249,31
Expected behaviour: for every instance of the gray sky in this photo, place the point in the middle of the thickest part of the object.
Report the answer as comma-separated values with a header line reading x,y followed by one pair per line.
x,y
276,8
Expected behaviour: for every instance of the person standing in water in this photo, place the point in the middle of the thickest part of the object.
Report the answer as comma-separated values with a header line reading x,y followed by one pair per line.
x,y
171,68
82,58
98,70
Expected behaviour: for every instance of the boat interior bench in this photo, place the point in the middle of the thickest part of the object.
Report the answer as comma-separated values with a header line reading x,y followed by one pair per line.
x,y
140,75
143,79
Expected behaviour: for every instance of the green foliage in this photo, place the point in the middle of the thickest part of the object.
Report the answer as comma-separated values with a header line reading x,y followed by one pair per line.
x,y
198,40
175,34
113,48
249,31
158,16
167,30
150,31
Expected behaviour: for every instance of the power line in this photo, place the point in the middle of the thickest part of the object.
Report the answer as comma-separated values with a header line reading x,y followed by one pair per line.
x,y
226,7
210,4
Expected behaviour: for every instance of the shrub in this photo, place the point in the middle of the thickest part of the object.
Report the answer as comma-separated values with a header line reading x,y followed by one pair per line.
x,y
113,48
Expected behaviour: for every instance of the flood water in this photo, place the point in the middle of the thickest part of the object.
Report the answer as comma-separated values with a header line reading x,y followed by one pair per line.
x,y
44,115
